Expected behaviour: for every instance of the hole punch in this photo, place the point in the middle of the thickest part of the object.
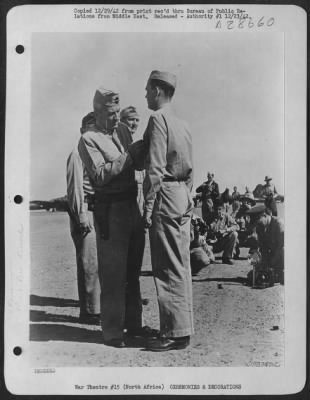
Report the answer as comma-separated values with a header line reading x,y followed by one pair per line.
x,y
18,199
20,49
17,351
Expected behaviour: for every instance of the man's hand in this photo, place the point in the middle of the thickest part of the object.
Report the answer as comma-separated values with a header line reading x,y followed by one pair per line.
x,y
85,228
147,220
136,151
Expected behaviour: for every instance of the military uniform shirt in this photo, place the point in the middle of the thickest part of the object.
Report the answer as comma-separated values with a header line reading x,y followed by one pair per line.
x,y
78,186
169,154
106,160
220,224
269,190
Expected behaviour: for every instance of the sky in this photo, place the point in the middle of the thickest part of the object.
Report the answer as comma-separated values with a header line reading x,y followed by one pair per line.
x,y
229,90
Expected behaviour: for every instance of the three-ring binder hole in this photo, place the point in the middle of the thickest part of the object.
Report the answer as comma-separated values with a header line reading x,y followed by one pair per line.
x,y
18,199
19,49
17,351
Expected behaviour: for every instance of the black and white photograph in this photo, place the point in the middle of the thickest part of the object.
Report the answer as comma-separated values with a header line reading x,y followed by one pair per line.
x,y
157,192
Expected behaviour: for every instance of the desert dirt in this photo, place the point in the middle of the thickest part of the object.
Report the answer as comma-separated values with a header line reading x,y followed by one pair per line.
x,y
235,325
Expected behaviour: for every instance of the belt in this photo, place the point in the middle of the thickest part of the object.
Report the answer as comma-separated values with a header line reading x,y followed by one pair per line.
x,y
172,179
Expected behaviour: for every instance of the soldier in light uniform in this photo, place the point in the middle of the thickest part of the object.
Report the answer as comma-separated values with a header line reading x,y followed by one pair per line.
x,y
130,117
80,194
210,195
224,229
236,203
167,213
269,193
107,154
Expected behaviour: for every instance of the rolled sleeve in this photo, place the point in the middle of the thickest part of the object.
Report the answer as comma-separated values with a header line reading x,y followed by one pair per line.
x,y
100,170
75,191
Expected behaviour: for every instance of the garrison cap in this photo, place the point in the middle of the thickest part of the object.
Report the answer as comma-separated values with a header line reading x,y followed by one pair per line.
x,y
129,111
166,77
256,210
105,99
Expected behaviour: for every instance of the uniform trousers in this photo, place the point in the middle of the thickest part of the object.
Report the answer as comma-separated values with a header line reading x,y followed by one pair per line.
x,y
272,205
276,260
119,262
207,210
170,254
87,268
226,244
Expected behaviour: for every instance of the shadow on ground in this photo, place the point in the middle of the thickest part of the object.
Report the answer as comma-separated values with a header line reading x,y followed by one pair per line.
x,y
52,301
59,332
65,333
217,257
238,279
42,316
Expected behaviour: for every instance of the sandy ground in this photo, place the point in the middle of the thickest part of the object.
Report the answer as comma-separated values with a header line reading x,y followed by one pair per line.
x,y
235,325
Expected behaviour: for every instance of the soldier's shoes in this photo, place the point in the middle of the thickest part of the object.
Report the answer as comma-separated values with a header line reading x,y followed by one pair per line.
x,y
227,260
90,319
119,343
144,332
167,344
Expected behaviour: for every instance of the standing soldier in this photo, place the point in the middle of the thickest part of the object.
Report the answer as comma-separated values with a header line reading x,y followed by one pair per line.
x,y
210,195
236,203
269,193
80,200
168,209
130,117
104,150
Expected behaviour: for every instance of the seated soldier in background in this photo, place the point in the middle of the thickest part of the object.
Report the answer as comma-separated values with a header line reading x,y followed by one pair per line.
x,y
201,254
226,201
246,234
270,235
223,232
247,202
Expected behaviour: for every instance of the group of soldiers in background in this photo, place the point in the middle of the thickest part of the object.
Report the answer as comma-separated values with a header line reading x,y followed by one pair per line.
x,y
230,221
